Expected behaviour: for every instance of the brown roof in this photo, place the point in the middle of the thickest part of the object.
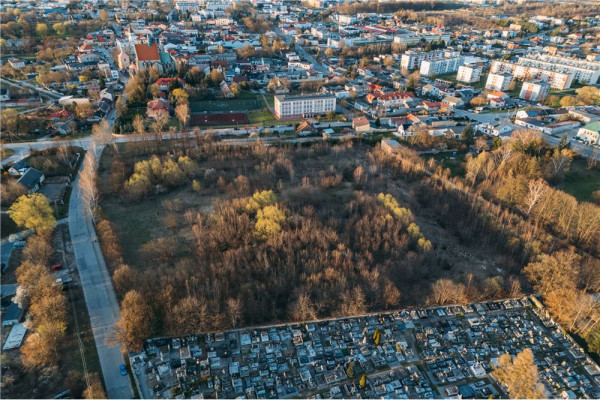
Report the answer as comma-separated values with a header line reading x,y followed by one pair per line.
x,y
143,52
360,121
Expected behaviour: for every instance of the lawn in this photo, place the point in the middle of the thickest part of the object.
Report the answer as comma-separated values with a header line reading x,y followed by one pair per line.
x,y
221,105
456,164
580,181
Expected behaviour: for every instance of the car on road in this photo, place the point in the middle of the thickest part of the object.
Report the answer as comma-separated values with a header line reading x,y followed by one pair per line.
x,y
123,369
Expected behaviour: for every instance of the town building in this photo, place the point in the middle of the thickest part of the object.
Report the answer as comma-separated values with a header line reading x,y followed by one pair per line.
x,y
557,80
534,91
590,133
498,82
583,71
469,73
413,59
32,180
441,67
290,107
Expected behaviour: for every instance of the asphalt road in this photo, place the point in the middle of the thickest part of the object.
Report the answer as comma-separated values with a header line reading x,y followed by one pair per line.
x,y
100,298
29,86
308,57
484,117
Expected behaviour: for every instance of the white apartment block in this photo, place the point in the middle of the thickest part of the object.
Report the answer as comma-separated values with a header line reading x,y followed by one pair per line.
x,y
557,80
413,38
469,73
498,82
584,71
184,6
441,67
292,107
413,59
534,91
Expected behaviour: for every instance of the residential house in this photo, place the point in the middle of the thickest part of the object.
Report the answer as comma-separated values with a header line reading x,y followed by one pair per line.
x,y
18,168
165,84
452,102
305,128
158,107
32,180
361,124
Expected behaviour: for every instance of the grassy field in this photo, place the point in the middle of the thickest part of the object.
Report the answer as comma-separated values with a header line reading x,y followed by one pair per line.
x,y
223,105
456,165
580,181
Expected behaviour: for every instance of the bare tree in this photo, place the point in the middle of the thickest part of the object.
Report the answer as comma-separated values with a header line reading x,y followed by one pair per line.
x,y
537,188
182,111
520,376
64,154
234,308
303,308
445,291
593,153
87,182
102,132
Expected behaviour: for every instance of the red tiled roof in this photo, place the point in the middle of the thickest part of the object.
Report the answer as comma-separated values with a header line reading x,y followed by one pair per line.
x,y
360,121
144,52
159,104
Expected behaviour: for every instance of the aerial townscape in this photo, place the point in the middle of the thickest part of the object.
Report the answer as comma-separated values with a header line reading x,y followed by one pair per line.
x,y
347,199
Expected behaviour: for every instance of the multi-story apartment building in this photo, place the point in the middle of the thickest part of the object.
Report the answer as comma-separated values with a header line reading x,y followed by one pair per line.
x,y
583,71
534,91
469,73
441,67
498,82
290,107
557,80
413,59
413,38
184,6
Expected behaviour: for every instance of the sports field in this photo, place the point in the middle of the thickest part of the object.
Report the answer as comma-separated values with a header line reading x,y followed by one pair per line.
x,y
219,119
221,105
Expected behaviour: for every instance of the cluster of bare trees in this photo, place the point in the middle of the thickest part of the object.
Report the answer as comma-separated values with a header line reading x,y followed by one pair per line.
x,y
39,292
569,283
517,174
296,253
87,182
327,251
519,376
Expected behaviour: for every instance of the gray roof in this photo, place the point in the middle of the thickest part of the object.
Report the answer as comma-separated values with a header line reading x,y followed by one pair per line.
x,y
13,312
31,178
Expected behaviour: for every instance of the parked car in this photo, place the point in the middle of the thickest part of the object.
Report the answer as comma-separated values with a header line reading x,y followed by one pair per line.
x,y
56,267
123,369
19,244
